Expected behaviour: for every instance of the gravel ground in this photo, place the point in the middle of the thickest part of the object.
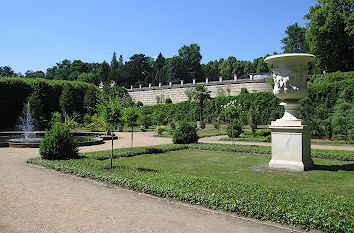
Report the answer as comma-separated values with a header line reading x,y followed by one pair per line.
x,y
35,199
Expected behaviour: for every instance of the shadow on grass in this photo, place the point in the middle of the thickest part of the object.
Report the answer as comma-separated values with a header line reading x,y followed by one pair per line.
x,y
334,168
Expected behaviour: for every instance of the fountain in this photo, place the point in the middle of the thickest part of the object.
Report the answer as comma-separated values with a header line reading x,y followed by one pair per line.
x,y
26,125
291,136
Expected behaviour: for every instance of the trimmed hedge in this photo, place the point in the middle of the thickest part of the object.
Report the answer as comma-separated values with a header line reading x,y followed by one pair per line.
x,y
264,150
15,91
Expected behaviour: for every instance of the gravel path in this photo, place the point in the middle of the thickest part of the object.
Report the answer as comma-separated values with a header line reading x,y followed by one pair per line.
x,y
35,199
216,139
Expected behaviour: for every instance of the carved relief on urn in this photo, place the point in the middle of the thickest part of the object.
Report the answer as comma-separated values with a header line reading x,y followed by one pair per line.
x,y
289,74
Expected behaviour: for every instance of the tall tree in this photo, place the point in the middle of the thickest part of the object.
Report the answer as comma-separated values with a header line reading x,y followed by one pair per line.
x,y
191,58
331,34
31,74
295,41
6,71
114,62
120,62
103,72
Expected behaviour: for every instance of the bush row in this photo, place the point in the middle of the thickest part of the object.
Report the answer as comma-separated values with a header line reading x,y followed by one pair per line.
x,y
316,109
267,150
213,109
284,205
45,97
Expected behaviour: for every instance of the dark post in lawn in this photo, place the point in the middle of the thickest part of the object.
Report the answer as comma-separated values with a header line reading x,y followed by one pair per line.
x,y
131,117
112,152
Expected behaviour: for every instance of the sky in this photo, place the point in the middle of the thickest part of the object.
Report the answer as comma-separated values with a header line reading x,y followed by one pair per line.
x,y
35,35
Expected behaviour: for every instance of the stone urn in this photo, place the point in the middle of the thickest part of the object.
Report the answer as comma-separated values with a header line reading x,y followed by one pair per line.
x,y
291,137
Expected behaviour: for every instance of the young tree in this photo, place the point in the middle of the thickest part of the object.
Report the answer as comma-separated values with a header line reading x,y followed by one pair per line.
x,y
330,34
295,41
201,93
253,118
130,118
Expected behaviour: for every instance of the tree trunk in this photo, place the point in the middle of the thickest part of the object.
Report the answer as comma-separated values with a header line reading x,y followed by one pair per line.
x,y
201,110
131,141
112,153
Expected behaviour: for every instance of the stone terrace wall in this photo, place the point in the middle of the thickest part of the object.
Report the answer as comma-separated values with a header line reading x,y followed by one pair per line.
x,y
149,95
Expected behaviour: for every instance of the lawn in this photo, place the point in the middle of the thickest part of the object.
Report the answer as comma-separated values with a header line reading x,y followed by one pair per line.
x,y
231,181
332,176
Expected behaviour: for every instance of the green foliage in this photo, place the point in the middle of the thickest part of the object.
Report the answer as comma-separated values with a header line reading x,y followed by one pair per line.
x,y
131,117
14,93
234,128
200,93
295,41
173,126
185,133
330,34
159,118
69,121
343,119
324,92
168,101
244,90
142,128
253,118
160,129
56,117
317,210
216,125
90,100
263,132
37,110
58,143
67,100
145,120
139,104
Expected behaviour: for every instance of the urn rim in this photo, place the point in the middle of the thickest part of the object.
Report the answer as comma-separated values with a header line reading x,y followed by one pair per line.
x,y
306,57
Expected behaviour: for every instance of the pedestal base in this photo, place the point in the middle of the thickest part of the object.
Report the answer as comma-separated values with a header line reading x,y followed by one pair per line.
x,y
291,147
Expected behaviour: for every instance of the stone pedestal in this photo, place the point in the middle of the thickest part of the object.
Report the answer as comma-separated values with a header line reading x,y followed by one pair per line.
x,y
291,147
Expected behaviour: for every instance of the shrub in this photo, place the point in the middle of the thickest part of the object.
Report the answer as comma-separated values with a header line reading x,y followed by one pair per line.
x,y
234,128
173,126
244,90
216,125
139,104
263,132
269,138
168,101
185,133
145,120
160,129
58,144
142,128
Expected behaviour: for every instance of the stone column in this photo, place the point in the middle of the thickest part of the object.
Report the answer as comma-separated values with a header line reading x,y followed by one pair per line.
x,y
131,87
291,136
181,82
149,85
206,81
140,87
160,85
220,79
193,82
170,84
